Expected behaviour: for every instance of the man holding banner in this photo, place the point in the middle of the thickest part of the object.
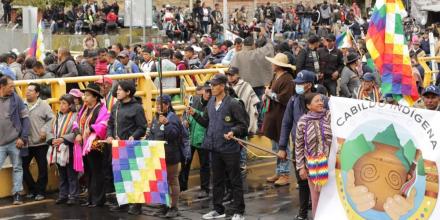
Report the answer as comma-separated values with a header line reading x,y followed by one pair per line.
x,y
127,122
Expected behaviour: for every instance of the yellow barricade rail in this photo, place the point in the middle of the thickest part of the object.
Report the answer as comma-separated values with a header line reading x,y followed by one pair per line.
x,y
145,87
430,74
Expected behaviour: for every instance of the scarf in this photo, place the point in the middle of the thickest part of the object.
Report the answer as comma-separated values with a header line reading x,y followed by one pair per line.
x,y
63,124
86,119
317,164
109,102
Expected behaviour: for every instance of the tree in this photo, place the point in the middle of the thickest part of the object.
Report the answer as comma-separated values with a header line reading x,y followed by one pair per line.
x,y
42,4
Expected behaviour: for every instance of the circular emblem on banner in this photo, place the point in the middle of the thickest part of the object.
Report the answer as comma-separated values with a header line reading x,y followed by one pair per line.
x,y
381,174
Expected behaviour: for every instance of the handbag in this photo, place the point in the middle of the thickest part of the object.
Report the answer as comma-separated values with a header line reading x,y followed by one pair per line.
x,y
62,157
51,155
317,164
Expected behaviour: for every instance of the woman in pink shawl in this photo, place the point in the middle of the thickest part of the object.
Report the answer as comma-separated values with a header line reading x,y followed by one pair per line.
x,y
90,127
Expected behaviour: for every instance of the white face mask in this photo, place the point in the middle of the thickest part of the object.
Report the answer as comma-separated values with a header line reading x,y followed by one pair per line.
x,y
299,89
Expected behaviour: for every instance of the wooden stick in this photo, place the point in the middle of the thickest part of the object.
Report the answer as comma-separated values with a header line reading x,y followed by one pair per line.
x,y
259,148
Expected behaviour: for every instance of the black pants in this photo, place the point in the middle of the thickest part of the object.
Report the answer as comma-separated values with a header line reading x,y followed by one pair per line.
x,y
7,13
331,86
95,168
205,171
108,171
39,153
229,162
68,186
304,194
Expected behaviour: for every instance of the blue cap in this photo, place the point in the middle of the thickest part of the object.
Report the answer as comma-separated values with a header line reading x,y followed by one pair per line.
x,y
368,77
165,98
305,76
431,89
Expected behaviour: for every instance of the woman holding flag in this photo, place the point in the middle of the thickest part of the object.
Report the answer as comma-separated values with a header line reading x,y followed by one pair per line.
x,y
166,127
127,122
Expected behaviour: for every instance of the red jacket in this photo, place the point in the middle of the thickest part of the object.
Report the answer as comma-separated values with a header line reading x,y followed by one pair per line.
x,y
112,17
101,67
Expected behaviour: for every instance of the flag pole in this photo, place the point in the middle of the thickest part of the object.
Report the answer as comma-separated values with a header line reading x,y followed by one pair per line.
x,y
241,142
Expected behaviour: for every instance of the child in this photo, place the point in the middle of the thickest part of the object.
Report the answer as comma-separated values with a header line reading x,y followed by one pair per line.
x,y
62,140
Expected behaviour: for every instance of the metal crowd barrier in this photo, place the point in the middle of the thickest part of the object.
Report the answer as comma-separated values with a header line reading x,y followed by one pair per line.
x,y
145,87
430,72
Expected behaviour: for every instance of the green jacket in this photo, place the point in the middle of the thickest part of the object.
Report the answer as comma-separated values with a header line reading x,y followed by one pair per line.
x,y
196,131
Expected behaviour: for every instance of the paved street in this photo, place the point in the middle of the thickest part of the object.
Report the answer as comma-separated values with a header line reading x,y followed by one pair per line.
x,y
263,201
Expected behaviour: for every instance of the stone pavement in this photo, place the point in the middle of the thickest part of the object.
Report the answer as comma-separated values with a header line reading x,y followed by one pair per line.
x,y
263,201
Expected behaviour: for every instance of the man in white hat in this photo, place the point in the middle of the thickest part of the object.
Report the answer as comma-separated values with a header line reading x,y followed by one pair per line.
x,y
275,100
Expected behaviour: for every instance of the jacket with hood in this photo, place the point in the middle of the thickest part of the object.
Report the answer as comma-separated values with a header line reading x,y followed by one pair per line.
x,y
67,68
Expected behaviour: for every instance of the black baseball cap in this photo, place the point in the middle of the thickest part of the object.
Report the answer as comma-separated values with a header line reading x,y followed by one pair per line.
x,y
219,79
330,37
232,70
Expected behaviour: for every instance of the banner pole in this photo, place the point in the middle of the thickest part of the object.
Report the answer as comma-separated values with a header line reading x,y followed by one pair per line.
x,y
257,147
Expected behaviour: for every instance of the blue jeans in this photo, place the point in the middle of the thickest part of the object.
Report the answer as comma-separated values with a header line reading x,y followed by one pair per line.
x,y
306,24
283,166
17,170
278,25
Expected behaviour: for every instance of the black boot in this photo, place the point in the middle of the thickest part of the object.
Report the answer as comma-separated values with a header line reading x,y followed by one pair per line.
x,y
116,208
135,209
161,212
173,212
304,198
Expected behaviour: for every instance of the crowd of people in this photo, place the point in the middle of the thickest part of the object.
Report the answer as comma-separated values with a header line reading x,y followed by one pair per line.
x,y
276,87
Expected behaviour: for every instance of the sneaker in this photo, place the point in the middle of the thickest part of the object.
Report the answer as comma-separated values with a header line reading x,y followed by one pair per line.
x,y
213,215
298,217
173,212
237,217
60,201
116,208
273,178
283,180
18,200
39,197
72,201
30,196
203,194
135,209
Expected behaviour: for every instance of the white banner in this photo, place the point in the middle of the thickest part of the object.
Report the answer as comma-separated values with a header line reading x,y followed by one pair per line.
x,y
141,11
383,163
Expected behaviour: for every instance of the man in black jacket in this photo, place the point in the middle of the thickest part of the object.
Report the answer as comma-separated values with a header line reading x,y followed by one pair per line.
x,y
332,59
307,58
87,66
127,122
224,118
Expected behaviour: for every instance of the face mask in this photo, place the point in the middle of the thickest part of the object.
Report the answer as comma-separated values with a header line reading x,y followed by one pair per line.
x,y
299,89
